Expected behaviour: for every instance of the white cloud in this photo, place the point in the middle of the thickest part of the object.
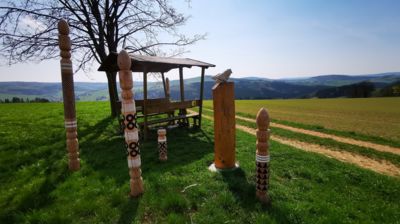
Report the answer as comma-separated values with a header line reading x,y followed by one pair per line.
x,y
32,23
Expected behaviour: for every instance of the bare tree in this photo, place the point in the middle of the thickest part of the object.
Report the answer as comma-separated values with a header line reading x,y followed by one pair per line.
x,y
28,31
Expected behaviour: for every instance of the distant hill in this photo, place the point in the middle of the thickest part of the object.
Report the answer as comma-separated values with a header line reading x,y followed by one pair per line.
x,y
51,91
391,90
245,88
357,90
341,80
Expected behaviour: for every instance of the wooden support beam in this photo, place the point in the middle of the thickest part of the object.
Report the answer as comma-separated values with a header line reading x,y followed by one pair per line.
x,y
144,103
163,82
201,94
181,88
181,84
167,89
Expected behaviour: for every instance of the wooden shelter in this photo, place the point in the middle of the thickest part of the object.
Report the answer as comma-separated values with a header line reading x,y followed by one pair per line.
x,y
147,108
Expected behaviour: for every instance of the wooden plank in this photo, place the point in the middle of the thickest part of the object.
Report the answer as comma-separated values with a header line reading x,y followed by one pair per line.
x,y
163,105
162,120
151,101
184,104
224,126
167,107
201,94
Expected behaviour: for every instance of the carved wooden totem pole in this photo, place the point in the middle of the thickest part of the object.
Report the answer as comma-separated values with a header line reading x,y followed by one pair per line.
x,y
262,155
67,78
162,144
128,110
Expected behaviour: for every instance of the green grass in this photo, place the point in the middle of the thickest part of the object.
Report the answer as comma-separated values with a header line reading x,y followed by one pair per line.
x,y
331,144
319,128
36,187
378,117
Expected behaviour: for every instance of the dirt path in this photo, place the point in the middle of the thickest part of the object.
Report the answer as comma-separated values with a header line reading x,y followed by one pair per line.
x,y
379,166
377,147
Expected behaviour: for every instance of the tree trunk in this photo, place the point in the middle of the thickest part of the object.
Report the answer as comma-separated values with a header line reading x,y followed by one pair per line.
x,y
113,92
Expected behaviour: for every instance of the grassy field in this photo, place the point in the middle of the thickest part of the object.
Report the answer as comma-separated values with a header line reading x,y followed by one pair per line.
x,y
333,145
378,117
36,187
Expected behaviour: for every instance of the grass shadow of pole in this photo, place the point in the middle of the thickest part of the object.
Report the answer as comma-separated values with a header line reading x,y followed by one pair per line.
x,y
128,211
243,191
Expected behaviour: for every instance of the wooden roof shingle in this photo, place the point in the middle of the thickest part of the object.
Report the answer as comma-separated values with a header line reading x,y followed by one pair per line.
x,y
140,63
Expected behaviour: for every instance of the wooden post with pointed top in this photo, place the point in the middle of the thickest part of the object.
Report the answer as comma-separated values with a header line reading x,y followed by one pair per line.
x,y
64,42
128,110
162,144
262,155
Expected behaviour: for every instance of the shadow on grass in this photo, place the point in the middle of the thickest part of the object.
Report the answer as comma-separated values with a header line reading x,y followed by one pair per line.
x,y
103,152
128,211
33,197
185,145
106,153
245,193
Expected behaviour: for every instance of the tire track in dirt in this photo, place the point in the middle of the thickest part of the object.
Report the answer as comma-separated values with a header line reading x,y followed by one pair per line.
x,y
374,146
379,166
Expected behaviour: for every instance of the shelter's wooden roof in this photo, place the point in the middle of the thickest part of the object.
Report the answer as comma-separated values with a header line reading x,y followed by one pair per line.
x,y
151,63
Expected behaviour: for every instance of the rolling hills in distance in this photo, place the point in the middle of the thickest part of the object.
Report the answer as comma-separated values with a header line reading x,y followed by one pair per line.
x,y
245,88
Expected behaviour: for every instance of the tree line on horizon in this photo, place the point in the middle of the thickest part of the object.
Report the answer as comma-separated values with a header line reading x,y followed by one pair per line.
x,y
356,90
27,100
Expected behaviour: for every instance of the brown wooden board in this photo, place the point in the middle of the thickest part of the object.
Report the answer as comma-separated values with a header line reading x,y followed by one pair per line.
x,y
224,126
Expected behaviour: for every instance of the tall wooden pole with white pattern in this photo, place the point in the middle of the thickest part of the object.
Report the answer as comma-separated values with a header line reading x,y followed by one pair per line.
x,y
128,110
67,78
262,155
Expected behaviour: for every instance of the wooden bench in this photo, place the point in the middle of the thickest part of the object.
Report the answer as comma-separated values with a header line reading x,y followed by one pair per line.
x,y
163,106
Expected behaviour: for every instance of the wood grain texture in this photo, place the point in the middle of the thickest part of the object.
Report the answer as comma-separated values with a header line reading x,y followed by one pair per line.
x,y
128,109
224,126
67,79
262,155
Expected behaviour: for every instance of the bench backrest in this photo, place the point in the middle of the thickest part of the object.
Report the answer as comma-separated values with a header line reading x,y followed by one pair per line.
x,y
163,105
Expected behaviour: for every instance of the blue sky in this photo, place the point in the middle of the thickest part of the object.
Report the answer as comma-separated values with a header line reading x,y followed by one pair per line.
x,y
275,39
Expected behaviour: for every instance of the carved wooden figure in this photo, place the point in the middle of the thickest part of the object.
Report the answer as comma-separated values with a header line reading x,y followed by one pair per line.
x,y
128,110
67,78
162,144
262,155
